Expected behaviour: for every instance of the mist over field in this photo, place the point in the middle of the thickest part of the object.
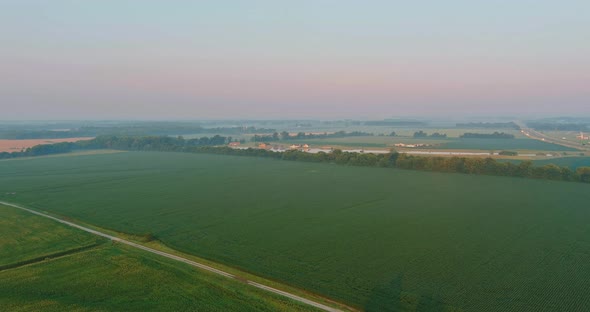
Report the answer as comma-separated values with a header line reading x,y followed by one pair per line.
x,y
337,156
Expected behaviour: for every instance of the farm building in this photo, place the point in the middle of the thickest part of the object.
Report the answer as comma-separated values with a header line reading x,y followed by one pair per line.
x,y
411,145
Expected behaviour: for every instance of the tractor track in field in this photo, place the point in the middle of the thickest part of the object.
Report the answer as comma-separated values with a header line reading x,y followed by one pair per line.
x,y
181,259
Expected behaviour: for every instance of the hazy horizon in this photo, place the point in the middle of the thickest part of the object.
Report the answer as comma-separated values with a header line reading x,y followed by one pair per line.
x,y
323,60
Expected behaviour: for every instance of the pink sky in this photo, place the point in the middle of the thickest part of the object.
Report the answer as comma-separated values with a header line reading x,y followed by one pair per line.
x,y
120,60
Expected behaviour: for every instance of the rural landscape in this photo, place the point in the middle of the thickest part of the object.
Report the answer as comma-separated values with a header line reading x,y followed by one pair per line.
x,y
338,156
351,229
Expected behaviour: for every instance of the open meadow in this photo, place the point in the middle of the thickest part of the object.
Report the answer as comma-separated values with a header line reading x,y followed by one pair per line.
x,y
52,267
378,239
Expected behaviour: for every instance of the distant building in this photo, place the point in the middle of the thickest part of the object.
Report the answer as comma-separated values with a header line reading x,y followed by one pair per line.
x,y
300,147
234,144
411,145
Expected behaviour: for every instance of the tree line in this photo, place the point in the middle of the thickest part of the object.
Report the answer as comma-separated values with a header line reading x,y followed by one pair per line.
x,y
479,166
436,135
133,143
139,129
286,136
394,123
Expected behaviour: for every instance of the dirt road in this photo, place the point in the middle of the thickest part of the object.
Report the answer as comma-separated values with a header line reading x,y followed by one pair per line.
x,y
181,259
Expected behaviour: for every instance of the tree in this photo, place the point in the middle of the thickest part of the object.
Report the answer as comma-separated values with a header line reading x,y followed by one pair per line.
x,y
438,135
584,174
524,168
420,134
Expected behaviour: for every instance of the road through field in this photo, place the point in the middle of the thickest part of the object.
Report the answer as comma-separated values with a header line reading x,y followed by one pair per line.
x,y
181,259
533,134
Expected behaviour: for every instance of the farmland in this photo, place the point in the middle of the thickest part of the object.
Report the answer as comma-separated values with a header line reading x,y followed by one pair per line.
x,y
18,145
571,162
24,237
371,237
511,144
523,144
107,277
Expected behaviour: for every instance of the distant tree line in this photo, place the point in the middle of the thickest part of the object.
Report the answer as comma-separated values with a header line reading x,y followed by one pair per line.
x,y
436,135
555,126
393,123
140,129
480,166
489,125
495,135
134,143
285,136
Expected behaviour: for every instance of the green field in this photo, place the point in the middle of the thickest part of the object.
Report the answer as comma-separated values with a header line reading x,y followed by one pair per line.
x,y
447,143
505,144
108,277
25,237
371,237
571,162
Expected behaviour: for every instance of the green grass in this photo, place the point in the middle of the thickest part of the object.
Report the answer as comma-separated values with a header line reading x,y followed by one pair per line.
x,y
118,278
376,238
447,143
24,236
571,162
110,277
506,144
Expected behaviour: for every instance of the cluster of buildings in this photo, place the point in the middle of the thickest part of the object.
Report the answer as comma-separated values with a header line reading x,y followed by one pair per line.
x,y
301,147
279,147
412,145
275,147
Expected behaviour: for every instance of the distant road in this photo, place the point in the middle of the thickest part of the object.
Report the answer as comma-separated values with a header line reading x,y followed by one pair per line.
x,y
533,134
181,259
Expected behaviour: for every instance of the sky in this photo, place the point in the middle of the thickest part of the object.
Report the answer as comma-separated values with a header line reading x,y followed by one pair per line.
x,y
143,59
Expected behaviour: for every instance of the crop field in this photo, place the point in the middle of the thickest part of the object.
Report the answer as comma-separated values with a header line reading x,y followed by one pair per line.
x,y
366,141
448,143
571,162
449,130
24,237
108,277
379,239
505,144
